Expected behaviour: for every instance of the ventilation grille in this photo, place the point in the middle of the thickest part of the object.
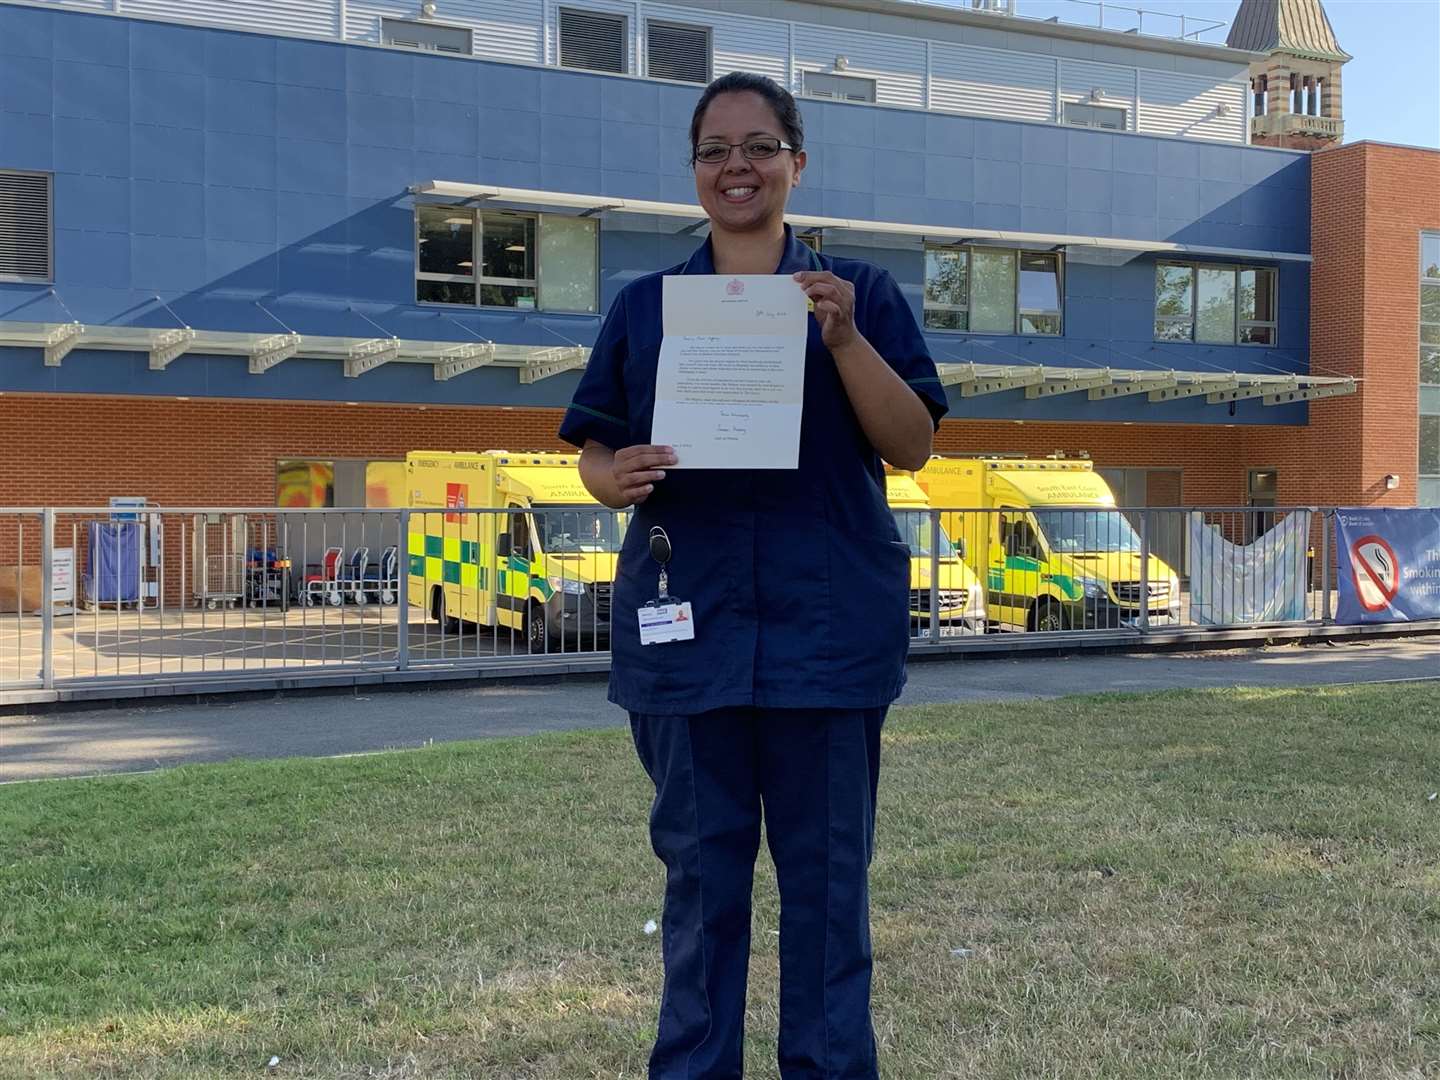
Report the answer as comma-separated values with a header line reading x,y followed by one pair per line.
x,y
678,52
25,225
592,41
428,36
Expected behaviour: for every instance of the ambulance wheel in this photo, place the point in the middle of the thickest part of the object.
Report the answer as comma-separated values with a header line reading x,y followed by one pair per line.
x,y
437,612
537,632
1048,617
309,599
387,596
335,598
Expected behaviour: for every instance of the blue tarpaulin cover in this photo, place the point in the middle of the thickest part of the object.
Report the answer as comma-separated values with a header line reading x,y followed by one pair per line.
x,y
113,569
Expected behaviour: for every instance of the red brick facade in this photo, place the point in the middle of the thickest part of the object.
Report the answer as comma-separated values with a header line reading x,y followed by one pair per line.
x,y
78,451
1370,202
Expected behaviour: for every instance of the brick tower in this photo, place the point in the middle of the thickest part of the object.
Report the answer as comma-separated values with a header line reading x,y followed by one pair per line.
x,y
1295,90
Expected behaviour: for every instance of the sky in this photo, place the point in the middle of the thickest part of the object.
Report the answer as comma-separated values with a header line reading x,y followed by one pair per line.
x,y
1391,88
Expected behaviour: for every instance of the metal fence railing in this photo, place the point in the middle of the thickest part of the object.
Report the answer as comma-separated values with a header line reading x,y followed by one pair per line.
x,y
93,596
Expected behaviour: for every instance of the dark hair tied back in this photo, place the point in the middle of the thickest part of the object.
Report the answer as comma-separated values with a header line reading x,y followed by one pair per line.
x,y
780,100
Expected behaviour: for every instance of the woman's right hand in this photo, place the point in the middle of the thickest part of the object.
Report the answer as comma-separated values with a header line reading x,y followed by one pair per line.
x,y
637,469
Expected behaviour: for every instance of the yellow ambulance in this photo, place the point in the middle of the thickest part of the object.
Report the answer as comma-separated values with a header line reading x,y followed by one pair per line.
x,y
544,568
1045,537
961,597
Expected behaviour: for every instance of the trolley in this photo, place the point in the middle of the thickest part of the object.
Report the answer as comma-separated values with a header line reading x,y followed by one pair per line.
x,y
217,555
351,581
382,581
322,580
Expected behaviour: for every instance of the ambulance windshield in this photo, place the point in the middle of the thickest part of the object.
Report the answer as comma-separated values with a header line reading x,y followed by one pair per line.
x,y
570,531
1087,530
914,526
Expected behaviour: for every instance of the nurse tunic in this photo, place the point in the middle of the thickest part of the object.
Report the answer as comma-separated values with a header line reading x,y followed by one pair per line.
x,y
798,578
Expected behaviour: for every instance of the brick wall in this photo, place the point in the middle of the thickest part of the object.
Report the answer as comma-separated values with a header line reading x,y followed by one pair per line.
x,y
78,451
1369,204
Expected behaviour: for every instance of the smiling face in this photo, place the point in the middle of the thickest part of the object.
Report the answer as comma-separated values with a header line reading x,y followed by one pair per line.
x,y
742,195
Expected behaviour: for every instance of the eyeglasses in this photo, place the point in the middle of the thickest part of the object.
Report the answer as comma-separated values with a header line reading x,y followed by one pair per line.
x,y
757,149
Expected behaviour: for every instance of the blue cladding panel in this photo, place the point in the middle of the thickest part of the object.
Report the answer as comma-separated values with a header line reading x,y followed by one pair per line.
x,y
1044,145
447,127
27,84
217,168
167,153
100,147
240,107
239,160
94,202
93,41
902,131
161,208
569,140
310,112
901,173
630,147
92,91
28,139
243,57
168,98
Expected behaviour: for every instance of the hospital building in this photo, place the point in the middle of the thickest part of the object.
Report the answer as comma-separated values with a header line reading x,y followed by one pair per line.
x,y
253,251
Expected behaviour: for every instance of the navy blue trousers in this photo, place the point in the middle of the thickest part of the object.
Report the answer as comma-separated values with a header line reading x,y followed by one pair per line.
x,y
813,776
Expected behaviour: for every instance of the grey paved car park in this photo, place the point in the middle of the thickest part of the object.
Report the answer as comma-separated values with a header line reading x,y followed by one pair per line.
x,y
127,739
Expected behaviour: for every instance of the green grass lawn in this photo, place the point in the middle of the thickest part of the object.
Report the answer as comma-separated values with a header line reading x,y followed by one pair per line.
x,y
1199,884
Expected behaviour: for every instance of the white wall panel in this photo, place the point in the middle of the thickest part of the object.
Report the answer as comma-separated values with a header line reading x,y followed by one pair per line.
x,y
503,29
316,18
1117,84
737,43
896,65
993,83
1172,104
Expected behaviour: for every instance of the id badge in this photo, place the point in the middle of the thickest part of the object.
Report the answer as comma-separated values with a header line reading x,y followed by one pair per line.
x,y
661,623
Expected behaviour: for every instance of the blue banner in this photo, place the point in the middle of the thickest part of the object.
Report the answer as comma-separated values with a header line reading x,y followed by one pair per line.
x,y
1389,565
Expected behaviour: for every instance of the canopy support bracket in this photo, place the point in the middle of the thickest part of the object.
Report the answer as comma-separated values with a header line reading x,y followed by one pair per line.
x,y
169,346
1193,389
1310,392
462,358
60,341
1134,385
1071,384
553,362
273,350
368,355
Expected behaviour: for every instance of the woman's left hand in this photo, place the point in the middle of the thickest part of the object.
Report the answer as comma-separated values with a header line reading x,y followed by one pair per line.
x,y
834,300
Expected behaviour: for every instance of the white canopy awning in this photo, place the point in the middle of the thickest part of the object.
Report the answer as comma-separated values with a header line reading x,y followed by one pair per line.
x,y
1100,384
532,363
359,355
594,204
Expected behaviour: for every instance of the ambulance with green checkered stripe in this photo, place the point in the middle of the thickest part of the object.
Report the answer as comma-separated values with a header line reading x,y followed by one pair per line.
x,y
1046,538
511,542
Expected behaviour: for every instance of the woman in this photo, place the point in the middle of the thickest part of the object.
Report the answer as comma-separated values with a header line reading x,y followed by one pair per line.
x,y
798,584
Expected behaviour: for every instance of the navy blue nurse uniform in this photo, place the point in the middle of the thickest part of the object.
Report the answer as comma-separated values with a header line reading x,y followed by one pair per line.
x,y
798,581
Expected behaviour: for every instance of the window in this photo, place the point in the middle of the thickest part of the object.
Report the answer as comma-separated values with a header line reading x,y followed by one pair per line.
x,y
1260,88
1039,293
1083,114
525,260
993,291
1215,304
26,246
679,52
1262,488
433,37
1429,465
840,87
593,40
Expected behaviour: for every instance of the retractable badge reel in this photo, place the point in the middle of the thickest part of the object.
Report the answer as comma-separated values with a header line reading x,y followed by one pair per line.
x,y
666,618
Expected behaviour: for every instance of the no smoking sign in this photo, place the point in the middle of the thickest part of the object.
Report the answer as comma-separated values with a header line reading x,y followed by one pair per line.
x,y
1376,572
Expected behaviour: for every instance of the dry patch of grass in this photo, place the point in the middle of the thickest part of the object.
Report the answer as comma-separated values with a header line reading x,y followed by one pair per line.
x,y
1206,884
